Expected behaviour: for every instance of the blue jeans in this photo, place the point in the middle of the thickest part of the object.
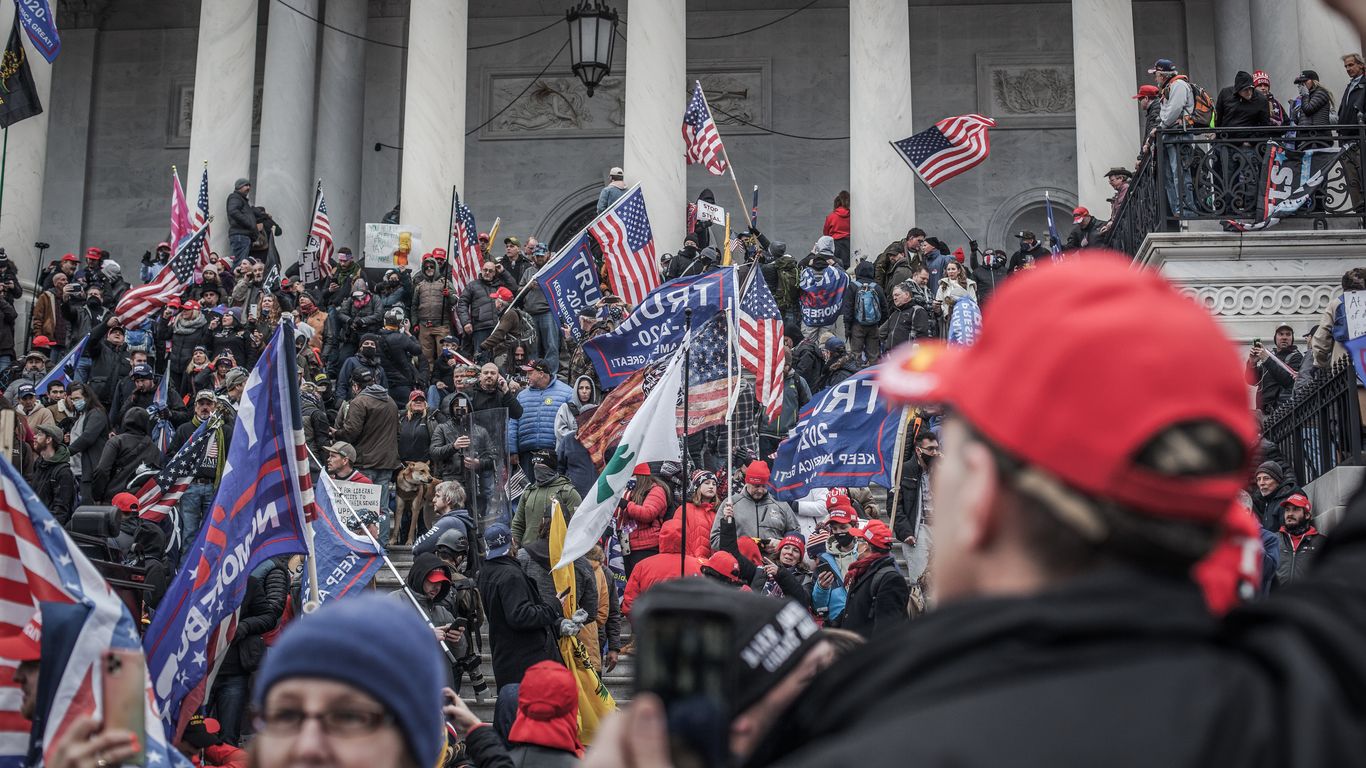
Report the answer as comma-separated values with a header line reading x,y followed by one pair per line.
x,y
549,339
240,245
195,504
1180,185
229,704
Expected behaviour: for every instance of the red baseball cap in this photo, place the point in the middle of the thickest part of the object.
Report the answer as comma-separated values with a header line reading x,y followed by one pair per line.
x,y
191,304
437,576
41,342
1147,92
503,294
876,533
69,257
125,502
26,644
725,565
173,302
841,511
1297,500
1078,213
93,253
1127,356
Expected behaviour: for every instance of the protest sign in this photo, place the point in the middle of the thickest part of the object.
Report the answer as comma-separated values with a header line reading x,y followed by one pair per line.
x,y
390,246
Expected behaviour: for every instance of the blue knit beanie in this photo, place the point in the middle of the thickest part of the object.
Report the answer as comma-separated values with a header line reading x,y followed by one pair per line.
x,y
378,645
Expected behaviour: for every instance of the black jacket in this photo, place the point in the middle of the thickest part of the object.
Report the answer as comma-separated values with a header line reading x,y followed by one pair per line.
x,y
1274,382
836,371
911,321
522,627
1268,508
1094,671
1037,252
55,484
241,216
483,401
124,453
876,605
396,352
89,441
8,316
1353,104
1295,560
108,363
262,606
1314,108
1230,111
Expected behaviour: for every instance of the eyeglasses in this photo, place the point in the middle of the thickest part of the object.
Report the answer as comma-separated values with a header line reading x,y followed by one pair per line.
x,y
340,722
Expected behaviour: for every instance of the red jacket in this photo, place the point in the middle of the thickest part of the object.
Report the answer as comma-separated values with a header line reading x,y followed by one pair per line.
x,y
647,517
700,519
837,223
223,756
661,567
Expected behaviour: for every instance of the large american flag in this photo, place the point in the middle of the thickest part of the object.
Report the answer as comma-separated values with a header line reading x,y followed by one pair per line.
x,y
320,233
39,563
199,217
466,256
628,247
160,494
952,146
761,343
608,421
709,375
702,140
180,210
144,301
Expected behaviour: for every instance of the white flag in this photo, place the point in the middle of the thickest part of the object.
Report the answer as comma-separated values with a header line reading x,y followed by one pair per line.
x,y
652,435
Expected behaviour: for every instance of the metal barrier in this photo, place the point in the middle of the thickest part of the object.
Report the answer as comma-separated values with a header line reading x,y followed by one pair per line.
x,y
1319,428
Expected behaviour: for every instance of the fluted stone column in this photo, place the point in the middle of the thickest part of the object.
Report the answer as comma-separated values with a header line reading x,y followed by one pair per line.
x,y
434,115
220,128
881,187
25,162
341,114
1275,43
284,178
68,141
656,91
1325,37
1103,66
1232,42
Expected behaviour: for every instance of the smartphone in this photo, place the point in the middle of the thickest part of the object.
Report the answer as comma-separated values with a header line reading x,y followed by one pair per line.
x,y
1257,343
823,567
460,623
123,680
684,657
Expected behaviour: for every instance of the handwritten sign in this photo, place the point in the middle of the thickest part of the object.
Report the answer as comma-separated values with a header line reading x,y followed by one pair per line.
x,y
391,246
1354,304
710,212
363,496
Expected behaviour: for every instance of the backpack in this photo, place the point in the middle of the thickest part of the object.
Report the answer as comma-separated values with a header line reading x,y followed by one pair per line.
x,y
866,308
789,279
1202,113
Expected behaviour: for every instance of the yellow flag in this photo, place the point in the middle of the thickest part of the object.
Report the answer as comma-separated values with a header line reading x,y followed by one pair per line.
x,y
594,699
725,259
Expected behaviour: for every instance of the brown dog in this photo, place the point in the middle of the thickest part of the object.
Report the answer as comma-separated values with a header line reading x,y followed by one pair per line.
x,y
415,487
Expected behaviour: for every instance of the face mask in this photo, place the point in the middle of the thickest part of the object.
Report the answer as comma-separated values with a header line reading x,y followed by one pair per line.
x,y
367,353
543,473
1303,89
92,302
844,539
80,404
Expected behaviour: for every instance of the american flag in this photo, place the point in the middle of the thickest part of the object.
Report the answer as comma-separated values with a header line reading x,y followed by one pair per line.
x,y
200,216
761,343
466,256
709,375
159,495
700,135
952,146
162,431
180,210
608,421
320,233
628,247
39,563
142,302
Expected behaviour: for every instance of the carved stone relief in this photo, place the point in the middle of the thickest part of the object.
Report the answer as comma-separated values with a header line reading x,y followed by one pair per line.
x,y
1262,300
1026,90
181,112
559,106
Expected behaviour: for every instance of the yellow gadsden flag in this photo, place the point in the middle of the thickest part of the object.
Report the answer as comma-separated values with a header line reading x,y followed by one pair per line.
x,y
594,700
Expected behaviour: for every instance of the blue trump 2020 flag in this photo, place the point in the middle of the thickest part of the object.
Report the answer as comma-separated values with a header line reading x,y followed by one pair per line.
x,y
846,436
36,16
822,295
259,512
570,283
347,558
965,323
657,326
65,368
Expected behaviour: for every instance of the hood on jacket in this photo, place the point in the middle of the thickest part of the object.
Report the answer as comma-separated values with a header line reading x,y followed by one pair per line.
x,y
591,383
707,195
548,709
671,536
777,249
423,565
61,455
865,271
149,539
135,419
1241,80
375,390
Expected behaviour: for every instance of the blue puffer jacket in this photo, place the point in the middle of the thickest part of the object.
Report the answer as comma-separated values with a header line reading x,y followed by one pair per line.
x,y
536,427
832,599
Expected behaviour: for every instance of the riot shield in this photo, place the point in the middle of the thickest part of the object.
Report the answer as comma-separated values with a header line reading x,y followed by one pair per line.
x,y
488,487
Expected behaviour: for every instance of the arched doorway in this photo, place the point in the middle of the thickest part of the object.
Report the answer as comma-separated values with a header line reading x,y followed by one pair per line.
x,y
1026,211
571,225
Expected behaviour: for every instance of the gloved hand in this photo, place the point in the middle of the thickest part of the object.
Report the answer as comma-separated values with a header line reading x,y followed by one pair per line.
x,y
569,627
579,617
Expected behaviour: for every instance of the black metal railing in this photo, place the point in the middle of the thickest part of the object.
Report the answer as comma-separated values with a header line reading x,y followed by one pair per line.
x,y
1219,175
1319,428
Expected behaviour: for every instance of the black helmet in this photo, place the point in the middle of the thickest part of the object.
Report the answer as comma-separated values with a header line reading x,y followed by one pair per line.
x,y
455,540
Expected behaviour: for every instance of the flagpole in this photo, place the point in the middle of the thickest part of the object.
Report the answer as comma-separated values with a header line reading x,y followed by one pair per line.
x,y
725,155
4,156
754,210
687,370
897,459
935,195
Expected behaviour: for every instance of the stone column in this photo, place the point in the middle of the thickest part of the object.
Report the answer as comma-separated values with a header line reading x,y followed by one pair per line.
x,y
1233,41
434,115
68,138
25,163
284,176
1325,37
657,90
220,128
881,187
341,114
1103,66
1275,44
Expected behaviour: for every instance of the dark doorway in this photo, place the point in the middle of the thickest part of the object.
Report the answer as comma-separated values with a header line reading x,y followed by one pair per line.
x,y
572,225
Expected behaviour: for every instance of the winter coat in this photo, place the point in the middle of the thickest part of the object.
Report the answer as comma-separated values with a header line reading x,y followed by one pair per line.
x,y
448,462
359,362
1268,508
700,519
184,335
1314,108
775,518
908,321
837,370
535,429
877,600
666,565
481,400
55,484
1231,111
534,507
241,216
647,516
415,436
852,298
1296,553
396,352
88,436
475,307
1085,235
264,604
356,317
369,421
610,194
1274,382
455,519
434,608
431,301
1116,654
837,223
522,627
807,362
108,364
123,454
538,569
950,291
48,319
830,602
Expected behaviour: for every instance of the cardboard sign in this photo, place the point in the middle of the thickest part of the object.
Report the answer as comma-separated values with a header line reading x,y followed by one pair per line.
x,y
392,246
363,496
1354,304
308,266
710,212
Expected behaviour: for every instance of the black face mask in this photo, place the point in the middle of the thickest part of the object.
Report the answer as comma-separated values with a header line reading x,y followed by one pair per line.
x,y
690,251
543,473
368,354
844,539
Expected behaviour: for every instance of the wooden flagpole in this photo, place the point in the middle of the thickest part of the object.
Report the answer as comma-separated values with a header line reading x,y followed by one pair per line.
x,y
725,155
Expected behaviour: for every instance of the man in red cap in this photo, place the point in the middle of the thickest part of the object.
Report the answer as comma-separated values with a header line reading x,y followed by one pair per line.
x,y
878,593
1070,631
1086,233
515,327
1300,540
757,514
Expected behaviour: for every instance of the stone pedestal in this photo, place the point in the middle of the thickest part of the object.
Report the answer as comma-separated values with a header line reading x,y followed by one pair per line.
x,y
220,131
68,142
341,114
284,177
434,115
1232,42
881,187
657,89
1276,44
25,163
1103,63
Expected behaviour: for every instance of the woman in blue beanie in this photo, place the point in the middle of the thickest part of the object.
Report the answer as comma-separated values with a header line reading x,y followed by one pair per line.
x,y
355,685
